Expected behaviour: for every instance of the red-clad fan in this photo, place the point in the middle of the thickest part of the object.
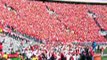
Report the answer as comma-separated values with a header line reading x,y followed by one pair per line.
x,y
13,55
62,57
71,58
40,58
1,53
1,47
32,48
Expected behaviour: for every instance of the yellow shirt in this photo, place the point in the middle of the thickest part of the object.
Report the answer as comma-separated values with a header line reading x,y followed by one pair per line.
x,y
35,58
5,56
1,30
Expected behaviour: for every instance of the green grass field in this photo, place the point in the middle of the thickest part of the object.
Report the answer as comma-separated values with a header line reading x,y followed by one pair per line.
x,y
104,58
105,52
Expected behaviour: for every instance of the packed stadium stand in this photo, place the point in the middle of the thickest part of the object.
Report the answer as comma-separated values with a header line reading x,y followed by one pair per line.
x,y
36,28
54,21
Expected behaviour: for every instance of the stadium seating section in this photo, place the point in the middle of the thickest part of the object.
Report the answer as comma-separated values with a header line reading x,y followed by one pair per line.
x,y
61,22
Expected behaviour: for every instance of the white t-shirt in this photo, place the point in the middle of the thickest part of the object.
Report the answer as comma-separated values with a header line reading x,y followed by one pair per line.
x,y
48,55
29,54
77,57
74,57
58,57
68,57
35,52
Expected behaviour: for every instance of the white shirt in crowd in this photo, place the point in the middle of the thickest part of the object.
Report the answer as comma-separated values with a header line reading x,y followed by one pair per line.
x,y
35,52
77,57
74,57
29,54
68,57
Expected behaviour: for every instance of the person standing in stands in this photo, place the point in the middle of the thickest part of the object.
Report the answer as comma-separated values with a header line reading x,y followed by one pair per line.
x,y
62,57
71,58
1,47
44,57
28,54
39,57
87,53
52,57
0,57
5,55
82,55
1,30
34,57
94,44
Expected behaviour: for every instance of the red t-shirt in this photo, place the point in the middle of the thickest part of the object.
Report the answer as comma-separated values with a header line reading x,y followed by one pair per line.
x,y
71,58
102,49
1,47
40,58
92,52
13,55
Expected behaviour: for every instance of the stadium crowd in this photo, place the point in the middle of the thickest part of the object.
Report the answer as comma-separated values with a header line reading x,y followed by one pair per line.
x,y
51,52
47,51
56,24
54,21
